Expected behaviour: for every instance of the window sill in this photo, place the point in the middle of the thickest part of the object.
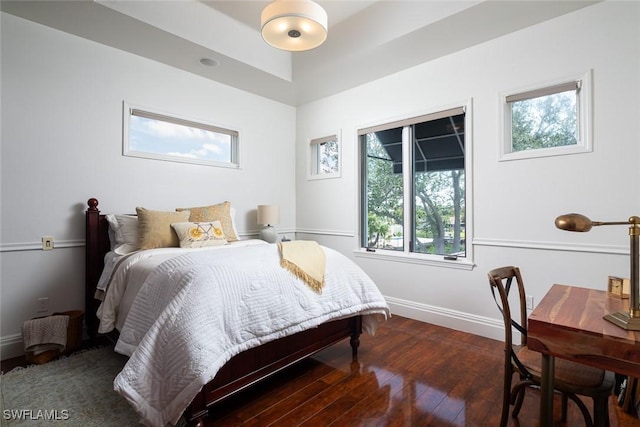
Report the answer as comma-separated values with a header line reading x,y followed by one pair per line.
x,y
412,258
545,152
324,176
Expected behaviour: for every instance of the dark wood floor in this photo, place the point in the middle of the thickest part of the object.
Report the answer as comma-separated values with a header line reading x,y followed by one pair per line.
x,y
409,374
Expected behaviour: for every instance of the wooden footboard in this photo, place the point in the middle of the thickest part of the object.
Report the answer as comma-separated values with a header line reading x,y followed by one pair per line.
x,y
258,363
242,370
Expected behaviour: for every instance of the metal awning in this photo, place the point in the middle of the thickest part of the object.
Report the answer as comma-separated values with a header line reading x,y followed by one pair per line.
x,y
438,144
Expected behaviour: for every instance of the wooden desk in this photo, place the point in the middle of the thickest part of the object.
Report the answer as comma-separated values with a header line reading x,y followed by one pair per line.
x,y
568,323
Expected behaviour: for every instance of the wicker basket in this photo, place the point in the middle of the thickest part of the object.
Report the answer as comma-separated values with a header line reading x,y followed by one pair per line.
x,y
40,358
74,330
74,339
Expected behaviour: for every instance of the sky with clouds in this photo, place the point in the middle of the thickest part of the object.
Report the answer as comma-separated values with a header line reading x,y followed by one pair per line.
x,y
165,138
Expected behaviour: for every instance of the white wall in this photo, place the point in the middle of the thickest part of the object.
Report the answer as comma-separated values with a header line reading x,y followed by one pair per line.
x,y
516,202
62,142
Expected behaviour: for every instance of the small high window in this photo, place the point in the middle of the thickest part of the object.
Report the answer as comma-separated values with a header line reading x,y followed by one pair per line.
x,y
153,135
548,120
325,157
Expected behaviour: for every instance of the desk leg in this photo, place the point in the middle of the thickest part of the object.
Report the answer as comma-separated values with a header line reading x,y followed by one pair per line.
x,y
546,391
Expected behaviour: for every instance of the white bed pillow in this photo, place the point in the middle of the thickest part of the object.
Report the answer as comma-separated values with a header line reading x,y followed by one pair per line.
x,y
123,233
199,234
232,211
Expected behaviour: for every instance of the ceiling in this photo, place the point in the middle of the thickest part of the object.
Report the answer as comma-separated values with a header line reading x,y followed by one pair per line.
x,y
368,39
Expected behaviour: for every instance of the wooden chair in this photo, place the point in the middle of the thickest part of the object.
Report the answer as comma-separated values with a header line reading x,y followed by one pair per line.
x,y
571,379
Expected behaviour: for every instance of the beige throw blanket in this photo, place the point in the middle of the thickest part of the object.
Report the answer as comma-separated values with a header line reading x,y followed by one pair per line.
x,y
45,333
306,260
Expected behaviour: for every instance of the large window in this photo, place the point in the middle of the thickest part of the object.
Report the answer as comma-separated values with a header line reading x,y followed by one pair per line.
x,y
414,185
153,135
547,120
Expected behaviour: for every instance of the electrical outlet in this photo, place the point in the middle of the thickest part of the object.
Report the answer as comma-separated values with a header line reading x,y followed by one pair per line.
x,y
42,305
529,302
47,243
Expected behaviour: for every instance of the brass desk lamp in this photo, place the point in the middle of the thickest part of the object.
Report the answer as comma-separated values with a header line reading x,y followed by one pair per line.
x,y
577,222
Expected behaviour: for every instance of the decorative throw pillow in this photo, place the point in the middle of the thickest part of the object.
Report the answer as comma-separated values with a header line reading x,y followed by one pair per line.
x,y
199,234
154,228
220,212
123,233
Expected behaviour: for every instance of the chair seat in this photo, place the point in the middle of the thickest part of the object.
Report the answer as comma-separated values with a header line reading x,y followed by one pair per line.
x,y
574,375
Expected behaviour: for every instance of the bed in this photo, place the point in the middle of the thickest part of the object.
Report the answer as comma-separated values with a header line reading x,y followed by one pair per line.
x,y
247,364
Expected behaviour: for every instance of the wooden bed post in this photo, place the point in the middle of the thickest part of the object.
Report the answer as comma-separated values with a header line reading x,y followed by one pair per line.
x,y
355,337
96,248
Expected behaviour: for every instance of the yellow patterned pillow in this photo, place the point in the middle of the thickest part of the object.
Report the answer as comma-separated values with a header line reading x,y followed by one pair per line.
x,y
199,234
154,228
220,212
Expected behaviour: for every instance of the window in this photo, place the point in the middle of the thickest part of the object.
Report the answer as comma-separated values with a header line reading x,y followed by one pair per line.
x,y
157,136
414,182
325,157
547,121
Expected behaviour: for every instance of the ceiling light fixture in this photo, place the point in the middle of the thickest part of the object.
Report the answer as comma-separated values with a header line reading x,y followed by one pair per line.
x,y
294,25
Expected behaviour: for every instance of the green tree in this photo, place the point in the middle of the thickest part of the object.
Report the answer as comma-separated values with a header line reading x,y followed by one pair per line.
x,y
439,196
329,156
378,227
384,193
547,121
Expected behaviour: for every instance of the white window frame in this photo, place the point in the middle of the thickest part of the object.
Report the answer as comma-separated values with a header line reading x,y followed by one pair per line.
x,y
315,171
406,256
584,118
130,110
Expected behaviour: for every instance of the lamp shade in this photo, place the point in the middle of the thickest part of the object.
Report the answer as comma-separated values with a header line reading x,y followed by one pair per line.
x,y
268,214
574,222
294,25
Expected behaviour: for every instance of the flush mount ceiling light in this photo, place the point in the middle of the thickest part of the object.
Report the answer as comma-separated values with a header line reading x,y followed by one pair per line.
x,y
294,25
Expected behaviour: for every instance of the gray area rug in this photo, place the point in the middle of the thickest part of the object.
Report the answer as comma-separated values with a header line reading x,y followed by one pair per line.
x,y
72,391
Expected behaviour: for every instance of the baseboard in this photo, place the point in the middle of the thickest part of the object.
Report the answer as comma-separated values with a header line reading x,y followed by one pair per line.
x,y
461,321
11,346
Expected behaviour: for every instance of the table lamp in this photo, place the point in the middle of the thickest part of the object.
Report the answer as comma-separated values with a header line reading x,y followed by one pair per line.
x,y
576,222
267,216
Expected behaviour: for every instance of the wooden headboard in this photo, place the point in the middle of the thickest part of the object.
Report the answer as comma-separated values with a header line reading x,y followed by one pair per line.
x,y
97,246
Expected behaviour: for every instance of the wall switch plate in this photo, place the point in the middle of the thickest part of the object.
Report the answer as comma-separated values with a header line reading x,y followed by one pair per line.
x,y
47,243
43,305
529,302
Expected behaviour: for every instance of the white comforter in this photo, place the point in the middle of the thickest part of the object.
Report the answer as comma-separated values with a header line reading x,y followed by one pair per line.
x,y
196,311
123,275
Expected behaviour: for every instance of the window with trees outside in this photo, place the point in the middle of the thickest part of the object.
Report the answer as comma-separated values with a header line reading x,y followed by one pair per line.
x,y
546,121
414,185
325,157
